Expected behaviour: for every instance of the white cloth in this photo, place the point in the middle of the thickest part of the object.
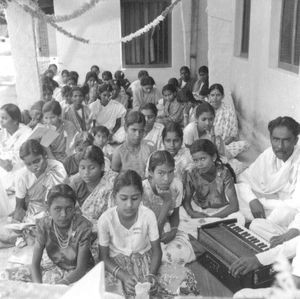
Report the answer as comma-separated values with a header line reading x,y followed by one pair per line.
x,y
9,149
107,115
190,133
24,180
121,240
277,186
288,249
154,137
134,85
271,178
266,229
10,144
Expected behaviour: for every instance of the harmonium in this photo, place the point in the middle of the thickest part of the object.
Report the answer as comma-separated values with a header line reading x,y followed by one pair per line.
x,y
223,242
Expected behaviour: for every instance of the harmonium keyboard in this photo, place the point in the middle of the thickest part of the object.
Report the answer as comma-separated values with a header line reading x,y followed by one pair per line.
x,y
224,242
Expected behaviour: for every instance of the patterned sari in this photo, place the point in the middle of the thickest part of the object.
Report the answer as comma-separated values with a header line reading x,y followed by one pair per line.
x,y
97,203
36,195
35,198
61,146
100,198
80,123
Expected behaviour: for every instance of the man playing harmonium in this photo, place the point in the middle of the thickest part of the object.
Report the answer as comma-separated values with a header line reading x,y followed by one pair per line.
x,y
270,187
289,249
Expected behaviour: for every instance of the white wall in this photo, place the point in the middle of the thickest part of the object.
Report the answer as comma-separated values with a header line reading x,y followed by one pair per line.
x,y
102,23
261,90
21,33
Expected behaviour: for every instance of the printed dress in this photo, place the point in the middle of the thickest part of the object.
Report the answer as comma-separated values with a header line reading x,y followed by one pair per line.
x,y
130,249
135,161
57,262
179,250
209,195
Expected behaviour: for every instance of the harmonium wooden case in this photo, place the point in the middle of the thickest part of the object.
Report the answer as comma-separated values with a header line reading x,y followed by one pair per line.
x,y
223,242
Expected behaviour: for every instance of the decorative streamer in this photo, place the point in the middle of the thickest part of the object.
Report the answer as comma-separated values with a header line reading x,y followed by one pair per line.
x,y
75,14
38,13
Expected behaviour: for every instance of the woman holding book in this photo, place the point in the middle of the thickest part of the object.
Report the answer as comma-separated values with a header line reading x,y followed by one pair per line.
x,y
12,135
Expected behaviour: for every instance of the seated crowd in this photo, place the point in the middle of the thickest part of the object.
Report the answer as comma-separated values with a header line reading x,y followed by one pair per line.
x,y
131,172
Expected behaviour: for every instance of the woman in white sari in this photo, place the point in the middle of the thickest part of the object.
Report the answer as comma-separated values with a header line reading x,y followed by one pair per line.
x,y
12,136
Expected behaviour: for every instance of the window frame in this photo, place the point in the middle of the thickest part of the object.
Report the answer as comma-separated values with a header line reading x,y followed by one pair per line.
x,y
284,65
147,49
243,25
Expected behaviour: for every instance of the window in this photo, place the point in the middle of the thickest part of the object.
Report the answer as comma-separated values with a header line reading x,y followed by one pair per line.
x,y
245,28
289,50
46,6
152,49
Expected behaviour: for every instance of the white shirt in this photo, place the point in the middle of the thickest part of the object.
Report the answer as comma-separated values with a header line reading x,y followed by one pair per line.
x,y
190,133
121,240
107,115
289,249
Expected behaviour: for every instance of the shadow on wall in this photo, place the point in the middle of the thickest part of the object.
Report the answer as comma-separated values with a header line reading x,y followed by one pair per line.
x,y
252,126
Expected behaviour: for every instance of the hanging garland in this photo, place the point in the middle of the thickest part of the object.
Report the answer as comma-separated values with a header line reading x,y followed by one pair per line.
x,y
38,13
75,14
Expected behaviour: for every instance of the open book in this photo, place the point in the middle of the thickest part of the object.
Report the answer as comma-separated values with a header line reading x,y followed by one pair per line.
x,y
19,226
45,133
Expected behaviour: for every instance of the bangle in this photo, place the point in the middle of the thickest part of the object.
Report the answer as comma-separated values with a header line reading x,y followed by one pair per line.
x,y
115,271
174,227
152,276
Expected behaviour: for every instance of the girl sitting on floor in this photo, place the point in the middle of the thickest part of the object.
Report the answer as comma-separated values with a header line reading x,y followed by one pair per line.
x,y
78,113
172,137
209,189
12,135
146,93
119,94
81,142
61,147
153,129
66,103
90,87
101,136
134,152
203,128
173,110
106,111
32,185
93,186
163,194
66,236
129,242
128,236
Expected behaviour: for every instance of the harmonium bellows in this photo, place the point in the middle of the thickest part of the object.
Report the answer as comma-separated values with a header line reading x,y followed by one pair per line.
x,y
224,242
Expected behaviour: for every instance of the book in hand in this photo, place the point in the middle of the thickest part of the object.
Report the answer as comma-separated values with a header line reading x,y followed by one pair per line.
x,y
45,133
19,226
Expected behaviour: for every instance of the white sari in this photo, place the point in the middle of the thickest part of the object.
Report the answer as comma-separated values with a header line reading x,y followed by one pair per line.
x,y
9,150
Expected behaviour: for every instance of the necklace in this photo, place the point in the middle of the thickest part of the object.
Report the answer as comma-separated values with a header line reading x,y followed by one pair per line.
x,y
62,241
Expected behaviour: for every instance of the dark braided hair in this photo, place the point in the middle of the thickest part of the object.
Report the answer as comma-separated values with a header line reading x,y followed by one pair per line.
x,y
205,145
